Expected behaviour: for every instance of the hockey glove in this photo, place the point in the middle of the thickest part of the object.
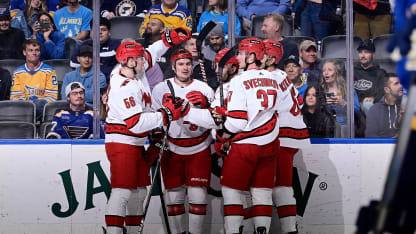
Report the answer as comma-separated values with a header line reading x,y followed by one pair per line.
x,y
219,114
222,146
175,36
156,143
197,99
173,110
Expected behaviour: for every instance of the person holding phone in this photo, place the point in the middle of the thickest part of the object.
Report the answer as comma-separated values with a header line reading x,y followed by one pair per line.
x,y
335,92
52,41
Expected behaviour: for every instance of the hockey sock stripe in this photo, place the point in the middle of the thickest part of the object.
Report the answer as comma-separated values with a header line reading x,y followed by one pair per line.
x,y
176,209
114,220
248,213
133,220
198,209
285,211
233,210
262,210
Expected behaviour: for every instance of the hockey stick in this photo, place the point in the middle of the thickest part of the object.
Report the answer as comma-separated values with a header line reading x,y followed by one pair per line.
x,y
201,37
227,56
157,171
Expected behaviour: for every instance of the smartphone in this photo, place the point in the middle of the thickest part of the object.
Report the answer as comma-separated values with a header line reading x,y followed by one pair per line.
x,y
44,25
330,94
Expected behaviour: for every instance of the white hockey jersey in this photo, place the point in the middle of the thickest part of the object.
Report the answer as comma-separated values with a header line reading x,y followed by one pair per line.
x,y
252,105
292,130
185,135
129,105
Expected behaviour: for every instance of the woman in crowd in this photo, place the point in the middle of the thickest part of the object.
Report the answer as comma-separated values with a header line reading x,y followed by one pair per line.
x,y
218,12
316,115
52,41
25,19
335,90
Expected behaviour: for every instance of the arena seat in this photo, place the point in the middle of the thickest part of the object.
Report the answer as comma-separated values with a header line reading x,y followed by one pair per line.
x,y
22,111
62,67
387,64
125,27
11,64
257,23
299,39
238,39
380,43
44,129
50,109
70,45
17,130
335,46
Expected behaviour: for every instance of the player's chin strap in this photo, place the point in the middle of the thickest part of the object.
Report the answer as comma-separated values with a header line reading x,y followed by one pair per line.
x,y
247,63
135,65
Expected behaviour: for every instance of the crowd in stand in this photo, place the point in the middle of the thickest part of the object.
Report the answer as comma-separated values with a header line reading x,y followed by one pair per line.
x,y
39,30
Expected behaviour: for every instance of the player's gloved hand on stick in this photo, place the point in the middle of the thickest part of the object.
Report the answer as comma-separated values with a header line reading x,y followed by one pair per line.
x,y
221,145
156,143
198,99
219,114
176,36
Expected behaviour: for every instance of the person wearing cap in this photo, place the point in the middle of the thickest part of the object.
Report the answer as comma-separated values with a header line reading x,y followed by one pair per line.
x,y
368,76
108,49
75,120
294,73
310,64
34,81
84,74
215,43
272,28
11,39
217,11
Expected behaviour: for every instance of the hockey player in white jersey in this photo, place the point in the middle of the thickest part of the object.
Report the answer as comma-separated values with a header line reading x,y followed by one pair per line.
x,y
252,128
293,135
187,168
130,116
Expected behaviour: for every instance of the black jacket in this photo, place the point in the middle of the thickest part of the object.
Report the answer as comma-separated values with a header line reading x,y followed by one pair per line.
x,y
5,83
319,124
11,43
368,82
380,119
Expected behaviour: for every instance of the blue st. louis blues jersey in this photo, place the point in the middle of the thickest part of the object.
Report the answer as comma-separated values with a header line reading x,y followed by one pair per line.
x,y
68,124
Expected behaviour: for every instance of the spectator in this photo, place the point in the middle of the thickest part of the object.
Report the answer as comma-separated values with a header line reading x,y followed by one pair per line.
x,y
249,9
153,31
51,40
218,12
74,20
294,73
316,115
20,5
384,117
368,77
215,43
369,23
111,8
25,19
335,90
11,39
308,54
84,74
211,76
108,48
272,29
310,23
75,120
5,83
171,14
34,81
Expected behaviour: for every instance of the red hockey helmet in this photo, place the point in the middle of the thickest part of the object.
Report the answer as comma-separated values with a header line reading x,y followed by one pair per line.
x,y
232,61
253,45
274,48
180,54
129,50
